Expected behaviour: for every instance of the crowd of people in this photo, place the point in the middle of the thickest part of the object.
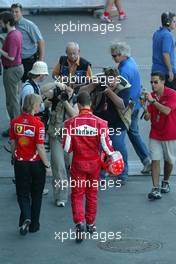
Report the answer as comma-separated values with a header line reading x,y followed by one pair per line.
x,y
85,107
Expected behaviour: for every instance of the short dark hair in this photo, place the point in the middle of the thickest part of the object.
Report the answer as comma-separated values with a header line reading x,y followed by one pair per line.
x,y
7,17
159,74
16,5
84,98
166,18
31,76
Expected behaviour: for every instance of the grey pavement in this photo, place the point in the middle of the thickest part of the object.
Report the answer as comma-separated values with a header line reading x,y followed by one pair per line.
x,y
147,228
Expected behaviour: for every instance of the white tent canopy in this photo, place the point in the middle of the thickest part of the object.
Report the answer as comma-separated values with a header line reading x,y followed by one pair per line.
x,y
54,3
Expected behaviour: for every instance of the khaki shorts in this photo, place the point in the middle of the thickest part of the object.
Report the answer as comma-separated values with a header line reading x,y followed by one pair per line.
x,y
163,149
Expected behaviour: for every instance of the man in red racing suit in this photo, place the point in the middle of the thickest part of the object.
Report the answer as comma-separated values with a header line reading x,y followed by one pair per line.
x,y
83,135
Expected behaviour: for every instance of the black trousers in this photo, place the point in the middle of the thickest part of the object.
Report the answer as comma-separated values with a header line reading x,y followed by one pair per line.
x,y
27,64
30,181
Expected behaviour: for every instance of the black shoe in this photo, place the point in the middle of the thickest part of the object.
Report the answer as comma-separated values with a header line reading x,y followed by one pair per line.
x,y
91,228
5,133
34,228
25,227
79,233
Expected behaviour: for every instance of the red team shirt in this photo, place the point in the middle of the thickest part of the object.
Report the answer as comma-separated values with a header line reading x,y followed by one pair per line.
x,y
163,127
27,131
83,135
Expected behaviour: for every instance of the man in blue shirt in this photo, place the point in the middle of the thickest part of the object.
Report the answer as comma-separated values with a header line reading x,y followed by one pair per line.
x,y
128,69
33,46
163,59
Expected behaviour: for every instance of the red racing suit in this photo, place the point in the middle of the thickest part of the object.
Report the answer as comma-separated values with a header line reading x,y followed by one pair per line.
x,y
83,136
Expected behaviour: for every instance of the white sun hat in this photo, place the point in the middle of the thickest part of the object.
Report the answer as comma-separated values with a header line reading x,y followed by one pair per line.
x,y
39,67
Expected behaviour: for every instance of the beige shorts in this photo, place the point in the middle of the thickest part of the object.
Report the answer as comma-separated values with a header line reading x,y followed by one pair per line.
x,y
163,149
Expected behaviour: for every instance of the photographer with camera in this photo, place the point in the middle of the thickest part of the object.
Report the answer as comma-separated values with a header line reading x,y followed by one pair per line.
x,y
162,114
37,74
63,107
110,102
121,54
72,67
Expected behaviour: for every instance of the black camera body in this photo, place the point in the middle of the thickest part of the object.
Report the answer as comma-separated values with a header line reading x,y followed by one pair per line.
x,y
58,96
61,95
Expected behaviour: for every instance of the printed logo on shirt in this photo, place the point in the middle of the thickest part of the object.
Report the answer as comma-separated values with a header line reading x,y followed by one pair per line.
x,y
85,130
29,132
41,130
85,127
25,130
19,129
41,133
23,141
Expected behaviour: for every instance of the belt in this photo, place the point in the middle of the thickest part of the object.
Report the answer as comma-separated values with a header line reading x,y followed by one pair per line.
x,y
7,67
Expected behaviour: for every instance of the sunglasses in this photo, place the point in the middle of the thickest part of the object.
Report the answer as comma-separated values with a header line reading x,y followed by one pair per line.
x,y
155,82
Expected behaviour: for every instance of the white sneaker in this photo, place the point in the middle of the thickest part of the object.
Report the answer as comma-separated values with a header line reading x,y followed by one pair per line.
x,y
155,194
106,19
25,227
60,204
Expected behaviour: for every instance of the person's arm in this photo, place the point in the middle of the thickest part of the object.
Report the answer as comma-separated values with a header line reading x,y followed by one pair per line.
x,y
41,49
167,61
6,55
12,45
12,141
13,146
167,46
39,140
106,143
42,154
117,101
67,138
162,108
71,110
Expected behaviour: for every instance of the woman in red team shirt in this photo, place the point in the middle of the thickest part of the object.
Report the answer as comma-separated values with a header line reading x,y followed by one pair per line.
x,y
30,162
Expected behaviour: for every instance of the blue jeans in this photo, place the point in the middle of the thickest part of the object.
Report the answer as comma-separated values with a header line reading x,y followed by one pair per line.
x,y
136,140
